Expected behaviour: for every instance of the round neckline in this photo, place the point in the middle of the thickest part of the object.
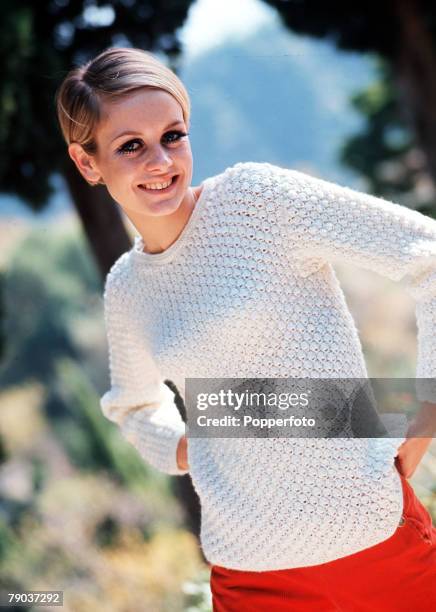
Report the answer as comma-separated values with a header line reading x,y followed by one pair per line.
x,y
163,256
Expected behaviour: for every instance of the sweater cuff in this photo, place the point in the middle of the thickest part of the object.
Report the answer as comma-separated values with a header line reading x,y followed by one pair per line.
x,y
159,446
154,429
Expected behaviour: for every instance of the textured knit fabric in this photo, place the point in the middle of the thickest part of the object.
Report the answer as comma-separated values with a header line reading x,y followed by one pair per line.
x,y
248,290
397,575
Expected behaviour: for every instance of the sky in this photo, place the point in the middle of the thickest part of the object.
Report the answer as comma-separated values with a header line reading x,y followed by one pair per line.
x,y
211,22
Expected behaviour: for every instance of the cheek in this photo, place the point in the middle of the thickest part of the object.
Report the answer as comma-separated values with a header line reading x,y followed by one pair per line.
x,y
183,150
119,177
120,172
184,157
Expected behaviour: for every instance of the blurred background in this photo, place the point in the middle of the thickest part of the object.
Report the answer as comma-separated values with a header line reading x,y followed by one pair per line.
x,y
344,92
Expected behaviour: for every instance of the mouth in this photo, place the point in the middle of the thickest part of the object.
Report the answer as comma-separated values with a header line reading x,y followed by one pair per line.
x,y
158,186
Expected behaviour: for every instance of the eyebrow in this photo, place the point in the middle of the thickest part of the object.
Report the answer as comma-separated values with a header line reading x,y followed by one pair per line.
x,y
132,132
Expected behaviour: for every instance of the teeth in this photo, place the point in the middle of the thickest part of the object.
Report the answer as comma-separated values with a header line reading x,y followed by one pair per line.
x,y
158,185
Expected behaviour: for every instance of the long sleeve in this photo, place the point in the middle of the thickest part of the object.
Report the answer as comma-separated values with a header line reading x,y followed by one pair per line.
x,y
138,400
328,222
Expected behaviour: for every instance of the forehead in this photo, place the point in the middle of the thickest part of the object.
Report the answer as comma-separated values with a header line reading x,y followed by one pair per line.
x,y
141,110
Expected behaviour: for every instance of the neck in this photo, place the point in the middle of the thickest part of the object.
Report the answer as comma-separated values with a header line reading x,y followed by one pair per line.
x,y
159,233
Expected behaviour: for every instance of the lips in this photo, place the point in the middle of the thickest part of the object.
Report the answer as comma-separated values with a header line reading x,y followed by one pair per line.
x,y
155,181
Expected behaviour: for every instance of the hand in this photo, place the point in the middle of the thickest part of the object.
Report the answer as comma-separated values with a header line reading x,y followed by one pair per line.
x,y
413,448
182,454
410,454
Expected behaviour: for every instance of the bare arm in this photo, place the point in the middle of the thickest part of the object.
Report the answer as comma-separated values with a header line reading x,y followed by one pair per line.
x,y
419,437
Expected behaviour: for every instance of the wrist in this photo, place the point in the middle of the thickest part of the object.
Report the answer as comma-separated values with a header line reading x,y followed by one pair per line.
x,y
423,424
181,453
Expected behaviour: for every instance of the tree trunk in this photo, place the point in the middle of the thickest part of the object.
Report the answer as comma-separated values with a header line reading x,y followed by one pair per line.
x,y
101,220
182,485
415,73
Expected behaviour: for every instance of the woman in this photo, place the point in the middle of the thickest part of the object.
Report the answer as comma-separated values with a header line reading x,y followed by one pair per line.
x,y
233,277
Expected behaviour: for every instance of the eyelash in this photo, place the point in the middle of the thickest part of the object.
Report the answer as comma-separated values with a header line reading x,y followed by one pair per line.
x,y
124,149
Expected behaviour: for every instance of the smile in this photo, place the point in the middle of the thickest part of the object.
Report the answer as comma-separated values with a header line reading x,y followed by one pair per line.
x,y
162,187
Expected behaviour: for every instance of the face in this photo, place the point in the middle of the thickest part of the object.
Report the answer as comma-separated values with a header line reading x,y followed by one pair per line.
x,y
142,145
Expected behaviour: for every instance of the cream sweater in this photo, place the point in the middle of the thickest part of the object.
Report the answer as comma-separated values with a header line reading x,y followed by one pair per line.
x,y
248,290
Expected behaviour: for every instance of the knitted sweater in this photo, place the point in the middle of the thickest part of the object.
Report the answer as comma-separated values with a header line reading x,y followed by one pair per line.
x,y
248,290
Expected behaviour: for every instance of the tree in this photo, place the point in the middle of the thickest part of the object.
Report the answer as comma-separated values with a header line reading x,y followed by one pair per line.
x,y
401,32
386,151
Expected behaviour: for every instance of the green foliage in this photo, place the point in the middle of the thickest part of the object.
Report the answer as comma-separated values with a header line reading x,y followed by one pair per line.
x,y
6,539
385,149
107,532
50,282
197,593
3,452
359,26
2,315
364,152
91,441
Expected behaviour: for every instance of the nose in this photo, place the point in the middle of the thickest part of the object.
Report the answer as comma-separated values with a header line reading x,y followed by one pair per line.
x,y
157,159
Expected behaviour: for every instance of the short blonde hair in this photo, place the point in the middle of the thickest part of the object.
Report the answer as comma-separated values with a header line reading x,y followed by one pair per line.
x,y
113,74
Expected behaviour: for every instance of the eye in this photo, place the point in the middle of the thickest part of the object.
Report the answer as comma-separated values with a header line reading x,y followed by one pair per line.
x,y
134,145
174,136
129,147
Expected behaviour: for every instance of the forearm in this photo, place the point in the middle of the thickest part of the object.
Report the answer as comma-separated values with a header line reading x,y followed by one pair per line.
x,y
418,438
154,429
423,423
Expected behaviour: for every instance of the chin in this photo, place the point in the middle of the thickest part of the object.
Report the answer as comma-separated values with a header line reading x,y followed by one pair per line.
x,y
162,207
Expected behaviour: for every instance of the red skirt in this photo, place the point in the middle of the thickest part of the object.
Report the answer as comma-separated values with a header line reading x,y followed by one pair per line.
x,y
396,575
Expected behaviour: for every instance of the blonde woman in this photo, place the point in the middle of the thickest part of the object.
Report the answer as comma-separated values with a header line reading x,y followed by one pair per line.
x,y
233,278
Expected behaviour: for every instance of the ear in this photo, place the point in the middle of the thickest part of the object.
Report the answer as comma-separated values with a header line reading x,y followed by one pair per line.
x,y
85,163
